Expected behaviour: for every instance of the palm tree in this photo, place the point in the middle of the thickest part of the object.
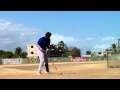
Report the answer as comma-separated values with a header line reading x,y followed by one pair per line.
x,y
18,51
88,52
63,46
114,48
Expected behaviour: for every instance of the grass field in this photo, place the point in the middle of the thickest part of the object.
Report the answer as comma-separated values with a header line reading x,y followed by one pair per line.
x,y
69,70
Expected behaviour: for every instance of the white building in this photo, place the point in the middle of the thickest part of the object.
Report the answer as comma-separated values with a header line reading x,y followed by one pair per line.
x,y
32,51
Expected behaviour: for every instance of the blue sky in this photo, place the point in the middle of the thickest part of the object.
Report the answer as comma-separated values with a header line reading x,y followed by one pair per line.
x,y
87,30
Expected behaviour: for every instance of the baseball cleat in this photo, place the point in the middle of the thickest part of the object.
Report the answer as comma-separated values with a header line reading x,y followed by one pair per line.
x,y
38,73
48,72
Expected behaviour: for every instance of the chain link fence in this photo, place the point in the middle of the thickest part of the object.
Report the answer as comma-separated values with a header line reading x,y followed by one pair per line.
x,y
113,61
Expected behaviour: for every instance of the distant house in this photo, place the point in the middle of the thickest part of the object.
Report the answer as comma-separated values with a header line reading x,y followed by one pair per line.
x,y
101,53
86,55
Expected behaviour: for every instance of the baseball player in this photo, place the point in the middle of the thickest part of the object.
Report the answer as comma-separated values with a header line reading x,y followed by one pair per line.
x,y
42,50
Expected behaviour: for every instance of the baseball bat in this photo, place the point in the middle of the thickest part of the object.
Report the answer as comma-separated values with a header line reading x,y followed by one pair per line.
x,y
54,66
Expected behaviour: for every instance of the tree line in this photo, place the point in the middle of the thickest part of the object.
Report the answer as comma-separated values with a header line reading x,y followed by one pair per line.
x,y
16,54
67,51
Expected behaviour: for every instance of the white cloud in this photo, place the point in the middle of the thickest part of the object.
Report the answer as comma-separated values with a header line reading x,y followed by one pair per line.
x,y
55,38
108,38
13,35
101,47
89,39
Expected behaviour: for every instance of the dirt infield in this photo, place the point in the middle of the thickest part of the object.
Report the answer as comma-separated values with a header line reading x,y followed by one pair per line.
x,y
69,70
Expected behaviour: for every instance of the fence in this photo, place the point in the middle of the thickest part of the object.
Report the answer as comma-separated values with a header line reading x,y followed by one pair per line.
x,y
113,61
11,61
55,59
96,58
68,59
0,61
60,59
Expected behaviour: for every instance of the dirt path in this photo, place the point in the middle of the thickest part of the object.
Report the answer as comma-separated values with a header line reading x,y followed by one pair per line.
x,y
69,70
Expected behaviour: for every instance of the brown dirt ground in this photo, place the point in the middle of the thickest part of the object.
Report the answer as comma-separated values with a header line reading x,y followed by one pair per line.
x,y
69,70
